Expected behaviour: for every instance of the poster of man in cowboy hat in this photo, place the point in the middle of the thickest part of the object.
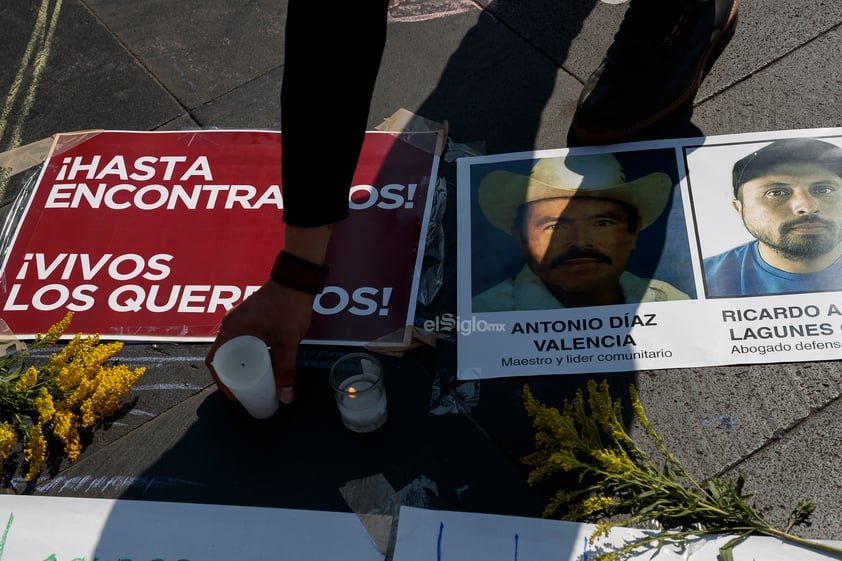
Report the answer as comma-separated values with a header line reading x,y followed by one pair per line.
x,y
576,220
572,260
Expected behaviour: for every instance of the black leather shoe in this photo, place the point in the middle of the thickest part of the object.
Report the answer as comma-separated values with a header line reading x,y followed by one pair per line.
x,y
659,57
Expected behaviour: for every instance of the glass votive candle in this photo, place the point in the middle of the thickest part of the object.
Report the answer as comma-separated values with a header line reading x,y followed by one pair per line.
x,y
358,385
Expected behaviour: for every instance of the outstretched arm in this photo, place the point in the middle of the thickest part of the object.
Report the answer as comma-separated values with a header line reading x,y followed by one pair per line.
x,y
324,113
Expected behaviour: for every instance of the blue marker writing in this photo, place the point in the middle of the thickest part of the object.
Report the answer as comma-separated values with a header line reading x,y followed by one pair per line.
x,y
438,543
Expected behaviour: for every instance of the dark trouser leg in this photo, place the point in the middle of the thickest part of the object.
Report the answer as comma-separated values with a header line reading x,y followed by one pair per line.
x,y
659,57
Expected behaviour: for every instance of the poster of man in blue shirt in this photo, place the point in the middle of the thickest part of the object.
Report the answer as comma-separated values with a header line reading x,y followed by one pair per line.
x,y
788,195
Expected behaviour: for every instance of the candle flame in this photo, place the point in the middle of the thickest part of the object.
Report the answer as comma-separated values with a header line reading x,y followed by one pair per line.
x,y
351,391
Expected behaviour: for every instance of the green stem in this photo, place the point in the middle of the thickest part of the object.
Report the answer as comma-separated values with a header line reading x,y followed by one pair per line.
x,y
678,536
801,541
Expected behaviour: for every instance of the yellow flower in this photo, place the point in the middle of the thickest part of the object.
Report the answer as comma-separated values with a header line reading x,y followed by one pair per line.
x,y
55,332
8,438
67,377
603,527
66,429
34,451
56,401
599,503
613,461
27,379
640,413
108,389
44,405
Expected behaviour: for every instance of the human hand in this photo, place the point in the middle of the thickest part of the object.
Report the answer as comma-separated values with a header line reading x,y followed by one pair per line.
x,y
278,315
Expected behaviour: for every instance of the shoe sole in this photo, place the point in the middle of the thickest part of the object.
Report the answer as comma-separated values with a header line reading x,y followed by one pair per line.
x,y
714,51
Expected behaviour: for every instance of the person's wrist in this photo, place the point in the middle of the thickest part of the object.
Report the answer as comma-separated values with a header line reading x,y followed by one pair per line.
x,y
298,273
309,243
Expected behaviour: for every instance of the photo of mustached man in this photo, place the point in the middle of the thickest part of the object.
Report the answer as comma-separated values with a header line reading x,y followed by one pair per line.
x,y
577,221
788,195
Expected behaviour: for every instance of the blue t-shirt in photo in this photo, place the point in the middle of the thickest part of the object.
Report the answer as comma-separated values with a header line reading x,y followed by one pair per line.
x,y
742,272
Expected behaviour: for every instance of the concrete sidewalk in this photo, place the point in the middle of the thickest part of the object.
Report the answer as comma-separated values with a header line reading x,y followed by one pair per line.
x,y
505,77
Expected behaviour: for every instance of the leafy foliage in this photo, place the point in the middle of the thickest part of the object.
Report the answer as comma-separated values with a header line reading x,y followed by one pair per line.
x,y
623,486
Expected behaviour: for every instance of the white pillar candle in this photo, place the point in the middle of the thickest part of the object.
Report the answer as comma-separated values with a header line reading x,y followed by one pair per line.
x,y
244,365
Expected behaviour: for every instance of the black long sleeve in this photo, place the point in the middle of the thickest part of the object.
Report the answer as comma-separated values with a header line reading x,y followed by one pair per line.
x,y
332,55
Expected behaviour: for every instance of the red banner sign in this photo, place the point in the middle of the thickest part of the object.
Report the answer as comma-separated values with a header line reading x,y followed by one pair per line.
x,y
155,235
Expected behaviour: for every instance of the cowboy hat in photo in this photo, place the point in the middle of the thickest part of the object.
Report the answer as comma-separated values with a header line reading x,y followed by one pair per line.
x,y
593,175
